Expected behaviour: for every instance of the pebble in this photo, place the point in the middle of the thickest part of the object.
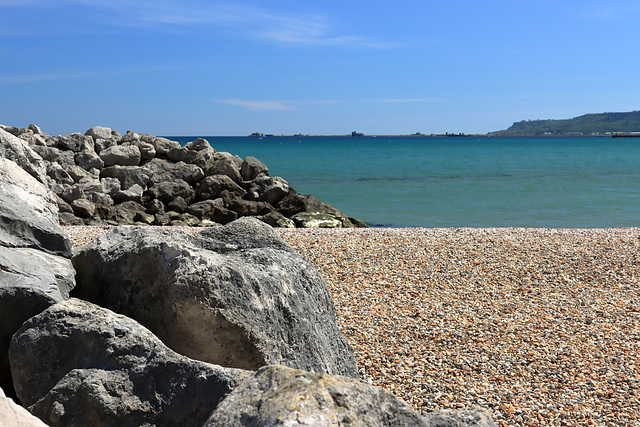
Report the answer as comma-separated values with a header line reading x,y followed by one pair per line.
x,y
538,326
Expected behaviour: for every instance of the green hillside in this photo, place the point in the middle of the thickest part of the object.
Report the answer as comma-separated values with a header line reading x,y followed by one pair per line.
x,y
588,124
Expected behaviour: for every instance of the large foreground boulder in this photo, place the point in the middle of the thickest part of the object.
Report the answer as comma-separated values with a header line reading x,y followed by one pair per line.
x,y
77,364
281,396
33,275
237,295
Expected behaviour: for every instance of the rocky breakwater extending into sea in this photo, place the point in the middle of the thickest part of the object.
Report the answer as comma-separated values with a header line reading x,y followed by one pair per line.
x,y
104,177
155,326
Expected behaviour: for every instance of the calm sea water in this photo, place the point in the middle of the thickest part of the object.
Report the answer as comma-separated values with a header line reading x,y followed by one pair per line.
x,y
459,182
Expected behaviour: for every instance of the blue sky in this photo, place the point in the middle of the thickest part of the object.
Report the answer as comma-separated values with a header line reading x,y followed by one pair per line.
x,y
195,67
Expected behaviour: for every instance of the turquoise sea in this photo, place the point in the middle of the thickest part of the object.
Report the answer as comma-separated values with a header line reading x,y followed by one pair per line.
x,y
574,182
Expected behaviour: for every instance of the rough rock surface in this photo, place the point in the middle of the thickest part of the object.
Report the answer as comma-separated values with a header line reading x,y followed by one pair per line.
x,y
13,415
282,396
75,164
77,364
12,148
33,275
235,295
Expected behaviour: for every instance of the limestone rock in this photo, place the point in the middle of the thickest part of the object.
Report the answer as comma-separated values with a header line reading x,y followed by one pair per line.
x,y
128,175
147,151
13,415
166,191
83,208
126,212
99,132
268,189
73,142
212,186
276,219
55,172
281,396
80,364
164,170
237,295
50,154
316,220
251,168
13,148
198,145
122,155
28,213
162,145
88,159
182,154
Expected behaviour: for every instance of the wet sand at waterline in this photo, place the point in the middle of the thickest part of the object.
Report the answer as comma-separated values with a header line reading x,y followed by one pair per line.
x,y
538,326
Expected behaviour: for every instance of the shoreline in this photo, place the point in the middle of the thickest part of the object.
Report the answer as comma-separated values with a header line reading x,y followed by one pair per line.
x,y
538,326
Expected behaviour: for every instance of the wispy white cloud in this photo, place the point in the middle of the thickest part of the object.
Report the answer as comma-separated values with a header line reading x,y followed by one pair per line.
x,y
240,20
259,105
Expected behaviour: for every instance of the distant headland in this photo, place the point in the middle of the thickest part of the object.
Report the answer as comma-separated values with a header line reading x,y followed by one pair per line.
x,y
596,124
600,124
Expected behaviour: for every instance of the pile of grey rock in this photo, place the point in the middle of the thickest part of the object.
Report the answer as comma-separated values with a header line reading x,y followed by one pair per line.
x,y
103,177
156,326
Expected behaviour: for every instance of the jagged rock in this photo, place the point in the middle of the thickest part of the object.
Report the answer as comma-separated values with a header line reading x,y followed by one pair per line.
x,y
177,205
13,148
128,175
99,132
62,205
103,144
28,213
163,170
103,203
212,186
83,208
249,208
14,415
282,396
131,137
70,219
154,206
205,208
55,172
166,191
267,189
295,203
110,186
35,270
83,365
133,193
276,219
316,220
236,295
50,154
88,159
72,192
147,151
221,215
198,145
144,218
121,155
251,168
182,154
162,218
125,212
162,145
225,164
189,220
73,142
81,175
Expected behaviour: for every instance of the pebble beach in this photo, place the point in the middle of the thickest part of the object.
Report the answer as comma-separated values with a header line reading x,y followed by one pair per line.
x,y
538,326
